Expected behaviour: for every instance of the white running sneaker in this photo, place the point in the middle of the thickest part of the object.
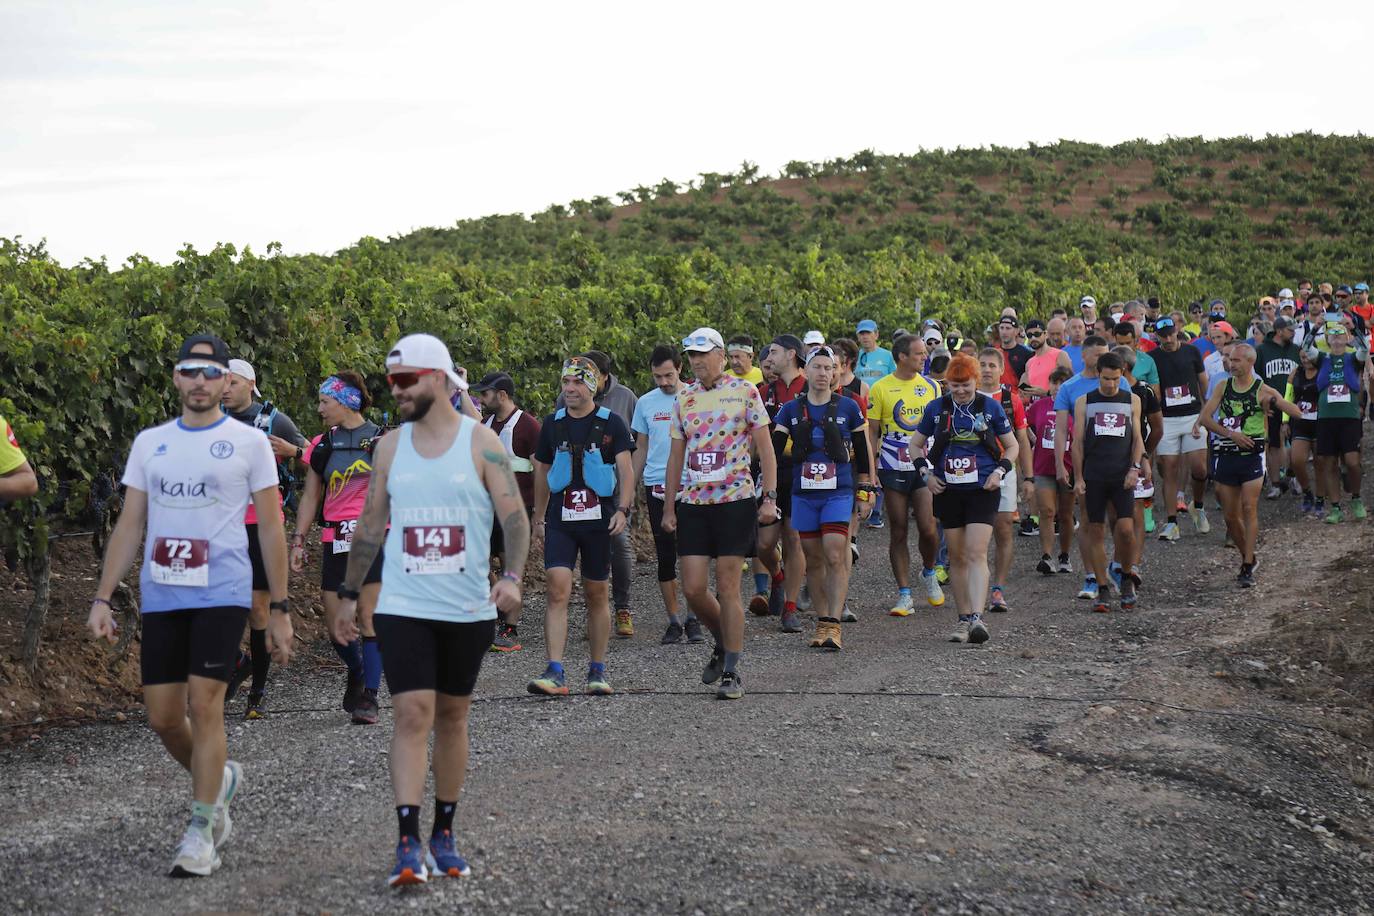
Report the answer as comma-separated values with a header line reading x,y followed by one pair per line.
x,y
228,788
1200,522
196,857
935,596
904,607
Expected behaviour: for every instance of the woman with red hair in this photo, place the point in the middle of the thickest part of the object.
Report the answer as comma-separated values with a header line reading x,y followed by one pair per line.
x,y
972,449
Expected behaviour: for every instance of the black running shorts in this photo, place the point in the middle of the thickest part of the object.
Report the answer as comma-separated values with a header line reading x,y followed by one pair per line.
x,y
436,655
959,508
1233,470
720,530
201,641
1338,435
1098,494
333,566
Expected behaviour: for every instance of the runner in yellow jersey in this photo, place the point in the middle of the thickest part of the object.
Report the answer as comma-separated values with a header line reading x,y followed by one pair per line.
x,y
17,479
895,405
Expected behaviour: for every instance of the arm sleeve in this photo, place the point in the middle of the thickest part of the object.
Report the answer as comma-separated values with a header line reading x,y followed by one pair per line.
x,y
862,463
779,441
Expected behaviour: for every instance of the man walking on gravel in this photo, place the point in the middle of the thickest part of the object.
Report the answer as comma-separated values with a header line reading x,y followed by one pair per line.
x,y
189,480
437,484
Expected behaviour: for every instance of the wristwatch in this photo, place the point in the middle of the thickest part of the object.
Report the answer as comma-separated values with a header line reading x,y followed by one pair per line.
x,y
347,594
282,606
300,453
771,494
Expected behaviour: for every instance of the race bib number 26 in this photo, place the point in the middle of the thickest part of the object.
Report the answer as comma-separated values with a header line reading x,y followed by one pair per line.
x,y
343,535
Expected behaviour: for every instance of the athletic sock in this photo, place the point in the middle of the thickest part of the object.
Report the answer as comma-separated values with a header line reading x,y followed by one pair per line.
x,y
761,583
443,816
1173,519
828,619
372,663
596,668
1197,504
789,607
777,579
351,654
257,648
556,668
408,820
202,817
731,661
905,590
675,620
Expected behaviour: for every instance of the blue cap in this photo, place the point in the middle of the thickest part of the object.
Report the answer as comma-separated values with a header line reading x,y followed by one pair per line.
x,y
868,324
1361,287
1343,289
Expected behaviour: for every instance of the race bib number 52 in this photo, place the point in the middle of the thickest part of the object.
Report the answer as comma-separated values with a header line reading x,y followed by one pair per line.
x,y
181,561
430,550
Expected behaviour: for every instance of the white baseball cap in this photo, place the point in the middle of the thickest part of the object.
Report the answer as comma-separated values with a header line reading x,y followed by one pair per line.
x,y
1285,293
932,335
244,369
813,337
1087,300
424,351
703,340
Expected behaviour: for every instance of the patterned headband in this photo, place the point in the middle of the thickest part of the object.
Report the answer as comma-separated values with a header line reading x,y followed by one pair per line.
x,y
342,392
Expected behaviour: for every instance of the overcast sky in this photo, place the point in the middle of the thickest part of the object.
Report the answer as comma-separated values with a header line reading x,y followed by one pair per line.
x,y
138,127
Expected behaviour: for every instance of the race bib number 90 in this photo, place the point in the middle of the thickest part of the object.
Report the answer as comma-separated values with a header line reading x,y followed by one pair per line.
x,y
429,550
181,561
343,535
961,469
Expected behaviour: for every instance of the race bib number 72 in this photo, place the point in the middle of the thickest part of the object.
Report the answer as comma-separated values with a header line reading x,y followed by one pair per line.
x,y
181,561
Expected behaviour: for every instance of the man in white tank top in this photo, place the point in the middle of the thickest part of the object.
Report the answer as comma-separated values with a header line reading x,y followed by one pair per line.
x,y
438,481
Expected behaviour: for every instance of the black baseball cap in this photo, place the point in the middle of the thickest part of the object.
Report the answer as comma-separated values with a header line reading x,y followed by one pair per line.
x,y
219,350
1282,322
1165,324
495,381
1035,323
790,342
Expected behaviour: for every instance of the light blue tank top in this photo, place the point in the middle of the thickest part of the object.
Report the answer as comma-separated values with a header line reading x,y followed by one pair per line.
x,y
439,545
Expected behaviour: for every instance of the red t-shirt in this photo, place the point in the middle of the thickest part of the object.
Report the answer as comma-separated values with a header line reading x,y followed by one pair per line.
x,y
1042,419
524,440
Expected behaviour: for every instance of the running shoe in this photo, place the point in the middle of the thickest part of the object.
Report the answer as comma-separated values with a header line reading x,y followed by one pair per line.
x,y
1274,491
597,685
1114,573
551,683
935,596
962,628
1294,487
444,859
730,687
1149,514
506,638
827,636
1199,517
624,623
848,616
410,865
978,632
1101,607
791,622
1246,579
941,574
1128,598
1169,532
997,601
804,599
1045,566
1306,504
904,607
777,599
1029,528
1319,508
693,630
196,856
854,550
353,687
365,713
875,522
257,705
1089,589
242,669
673,635
714,666
1064,565
1357,510
758,605
223,826
1334,517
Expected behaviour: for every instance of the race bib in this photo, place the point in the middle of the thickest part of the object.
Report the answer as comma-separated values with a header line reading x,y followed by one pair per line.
x,y
343,535
429,550
659,491
1230,423
581,505
706,467
1109,424
1177,396
1338,393
961,469
1309,410
896,453
818,475
181,561
1142,489
1047,436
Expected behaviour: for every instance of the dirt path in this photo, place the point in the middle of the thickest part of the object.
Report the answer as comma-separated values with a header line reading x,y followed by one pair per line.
x,y
903,774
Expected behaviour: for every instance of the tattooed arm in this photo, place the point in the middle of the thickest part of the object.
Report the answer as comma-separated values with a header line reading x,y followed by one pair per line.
x,y
509,509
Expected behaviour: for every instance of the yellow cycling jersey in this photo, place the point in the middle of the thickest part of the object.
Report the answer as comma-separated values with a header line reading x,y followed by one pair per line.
x,y
11,457
897,404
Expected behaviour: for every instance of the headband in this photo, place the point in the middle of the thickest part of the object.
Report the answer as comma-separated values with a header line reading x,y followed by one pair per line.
x,y
342,392
738,347
821,350
584,370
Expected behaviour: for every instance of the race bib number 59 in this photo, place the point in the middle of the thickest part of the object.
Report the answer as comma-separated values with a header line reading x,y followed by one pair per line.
x,y
429,550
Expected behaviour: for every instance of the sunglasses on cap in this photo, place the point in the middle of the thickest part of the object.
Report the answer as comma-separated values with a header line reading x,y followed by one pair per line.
x,y
700,340
208,371
405,380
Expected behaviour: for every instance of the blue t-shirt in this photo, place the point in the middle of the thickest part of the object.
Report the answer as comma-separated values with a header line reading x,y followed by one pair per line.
x,y
1204,346
875,365
1075,356
654,418
966,464
848,417
1072,390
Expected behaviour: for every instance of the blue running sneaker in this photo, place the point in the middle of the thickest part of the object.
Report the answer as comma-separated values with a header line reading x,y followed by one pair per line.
x,y
1089,589
444,859
410,865
1114,570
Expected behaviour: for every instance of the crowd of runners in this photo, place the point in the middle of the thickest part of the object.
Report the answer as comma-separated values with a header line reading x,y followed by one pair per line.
x,y
1105,426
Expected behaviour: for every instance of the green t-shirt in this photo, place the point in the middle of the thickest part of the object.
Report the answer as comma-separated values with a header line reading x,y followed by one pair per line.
x,y
1340,395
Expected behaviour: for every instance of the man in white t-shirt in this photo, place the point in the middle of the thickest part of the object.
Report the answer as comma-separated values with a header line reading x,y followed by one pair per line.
x,y
190,480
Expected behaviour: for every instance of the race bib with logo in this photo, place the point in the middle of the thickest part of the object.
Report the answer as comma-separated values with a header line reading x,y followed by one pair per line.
x,y
343,535
961,469
1309,410
1047,436
707,467
1144,490
181,561
581,505
819,475
1338,393
1109,424
430,550
1177,396
1230,423
896,453
659,491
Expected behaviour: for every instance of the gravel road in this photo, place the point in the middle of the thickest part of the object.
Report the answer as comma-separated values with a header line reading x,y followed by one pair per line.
x,y
902,774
